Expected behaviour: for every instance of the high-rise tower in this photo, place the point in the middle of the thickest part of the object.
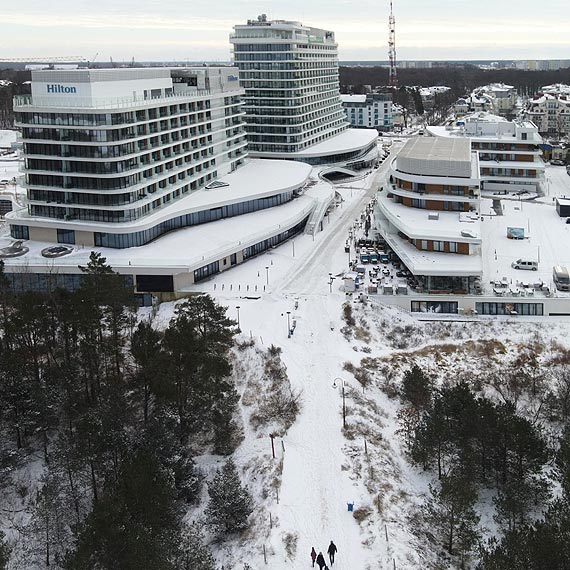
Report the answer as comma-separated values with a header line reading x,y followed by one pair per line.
x,y
290,75
393,78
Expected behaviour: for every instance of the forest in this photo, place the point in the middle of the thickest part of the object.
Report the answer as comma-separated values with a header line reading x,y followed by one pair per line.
x,y
478,446
110,412
462,79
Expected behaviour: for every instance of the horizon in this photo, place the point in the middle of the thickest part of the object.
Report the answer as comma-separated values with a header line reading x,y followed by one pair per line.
x,y
148,30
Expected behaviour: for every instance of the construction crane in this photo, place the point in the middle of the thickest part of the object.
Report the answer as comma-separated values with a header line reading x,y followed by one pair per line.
x,y
60,59
393,77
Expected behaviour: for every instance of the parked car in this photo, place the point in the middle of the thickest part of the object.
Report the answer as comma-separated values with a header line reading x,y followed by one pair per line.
x,y
528,264
557,162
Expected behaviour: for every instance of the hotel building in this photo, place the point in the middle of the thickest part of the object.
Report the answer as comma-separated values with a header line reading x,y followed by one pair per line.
x,y
509,152
292,100
429,214
113,156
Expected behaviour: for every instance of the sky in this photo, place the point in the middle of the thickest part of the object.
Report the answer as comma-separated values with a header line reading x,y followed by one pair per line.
x,y
197,30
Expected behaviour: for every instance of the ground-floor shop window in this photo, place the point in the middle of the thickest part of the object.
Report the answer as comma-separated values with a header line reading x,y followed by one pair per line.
x,y
532,309
446,307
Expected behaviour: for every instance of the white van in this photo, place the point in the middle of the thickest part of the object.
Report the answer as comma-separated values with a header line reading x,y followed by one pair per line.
x,y
523,263
561,278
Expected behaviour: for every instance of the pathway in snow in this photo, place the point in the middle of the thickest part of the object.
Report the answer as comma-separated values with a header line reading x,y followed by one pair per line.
x,y
315,490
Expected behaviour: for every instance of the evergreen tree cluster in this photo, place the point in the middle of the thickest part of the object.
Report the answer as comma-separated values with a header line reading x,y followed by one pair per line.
x,y
473,443
116,411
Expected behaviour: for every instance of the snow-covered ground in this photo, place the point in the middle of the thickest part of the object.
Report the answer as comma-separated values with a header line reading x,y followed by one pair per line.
x,y
324,467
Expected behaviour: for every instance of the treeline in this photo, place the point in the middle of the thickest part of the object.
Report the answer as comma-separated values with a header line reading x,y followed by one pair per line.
x,y
115,410
16,86
476,446
461,79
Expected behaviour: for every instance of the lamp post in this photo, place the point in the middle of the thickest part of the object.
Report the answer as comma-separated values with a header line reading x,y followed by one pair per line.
x,y
288,324
237,309
267,274
343,400
331,279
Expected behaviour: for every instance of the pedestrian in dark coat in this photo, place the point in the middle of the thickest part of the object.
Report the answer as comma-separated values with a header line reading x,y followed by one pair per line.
x,y
332,551
313,555
321,560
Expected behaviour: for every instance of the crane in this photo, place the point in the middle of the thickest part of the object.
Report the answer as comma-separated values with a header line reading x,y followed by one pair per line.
x,y
59,59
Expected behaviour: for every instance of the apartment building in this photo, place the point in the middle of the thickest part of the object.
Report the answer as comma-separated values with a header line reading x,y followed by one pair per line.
x,y
373,111
428,215
549,110
292,100
508,151
111,155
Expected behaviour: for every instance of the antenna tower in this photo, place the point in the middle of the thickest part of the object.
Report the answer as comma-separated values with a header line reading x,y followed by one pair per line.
x,y
393,77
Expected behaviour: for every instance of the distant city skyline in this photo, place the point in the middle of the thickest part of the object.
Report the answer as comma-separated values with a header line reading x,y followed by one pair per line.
x,y
199,30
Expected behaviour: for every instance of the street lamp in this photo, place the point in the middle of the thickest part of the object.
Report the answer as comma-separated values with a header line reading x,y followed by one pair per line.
x,y
267,274
237,309
288,324
331,279
343,401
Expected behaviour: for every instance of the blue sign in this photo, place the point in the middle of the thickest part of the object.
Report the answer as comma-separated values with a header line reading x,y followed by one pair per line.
x,y
57,88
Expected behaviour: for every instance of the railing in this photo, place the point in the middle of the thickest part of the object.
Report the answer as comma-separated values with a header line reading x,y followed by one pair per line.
x,y
111,102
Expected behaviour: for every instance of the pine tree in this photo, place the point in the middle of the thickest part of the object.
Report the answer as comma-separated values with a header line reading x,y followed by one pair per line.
x,y
230,503
195,555
417,388
134,525
451,512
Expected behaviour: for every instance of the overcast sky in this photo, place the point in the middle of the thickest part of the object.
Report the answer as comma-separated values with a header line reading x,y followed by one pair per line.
x,y
198,30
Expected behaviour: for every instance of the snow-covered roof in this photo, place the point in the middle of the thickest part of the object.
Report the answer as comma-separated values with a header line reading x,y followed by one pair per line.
x,y
347,141
353,98
416,222
182,250
7,138
431,156
256,179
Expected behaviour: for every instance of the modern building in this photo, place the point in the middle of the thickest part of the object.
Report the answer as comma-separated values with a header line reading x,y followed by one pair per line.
x,y
509,152
372,111
549,110
113,157
292,101
429,214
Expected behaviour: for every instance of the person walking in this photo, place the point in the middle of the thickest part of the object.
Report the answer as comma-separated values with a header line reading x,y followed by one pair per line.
x,y
313,555
321,561
332,551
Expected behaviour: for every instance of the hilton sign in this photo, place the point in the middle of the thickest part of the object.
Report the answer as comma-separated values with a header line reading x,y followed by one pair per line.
x,y
57,88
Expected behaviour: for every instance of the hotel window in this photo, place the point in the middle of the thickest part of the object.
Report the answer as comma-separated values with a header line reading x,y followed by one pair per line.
x,y
423,244
452,247
439,245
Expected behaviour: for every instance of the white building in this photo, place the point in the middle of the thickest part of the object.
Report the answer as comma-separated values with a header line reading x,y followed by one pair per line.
x,y
429,213
373,111
550,110
292,99
509,152
496,98
111,156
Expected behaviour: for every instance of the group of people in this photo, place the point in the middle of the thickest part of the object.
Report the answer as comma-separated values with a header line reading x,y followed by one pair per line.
x,y
320,559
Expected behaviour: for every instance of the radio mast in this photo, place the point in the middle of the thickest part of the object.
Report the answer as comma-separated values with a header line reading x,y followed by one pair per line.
x,y
393,77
